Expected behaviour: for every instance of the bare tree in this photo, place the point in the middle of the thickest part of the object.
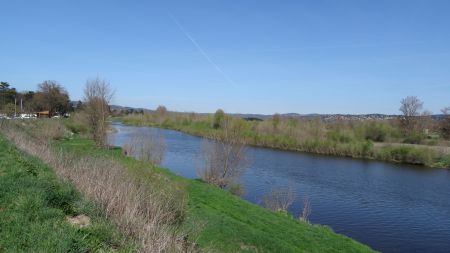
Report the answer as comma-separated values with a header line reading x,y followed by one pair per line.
x,y
410,108
306,210
97,96
223,159
279,199
161,110
146,146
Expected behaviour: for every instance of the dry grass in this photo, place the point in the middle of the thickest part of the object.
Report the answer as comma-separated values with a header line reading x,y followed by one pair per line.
x,y
306,212
142,211
279,199
146,146
223,161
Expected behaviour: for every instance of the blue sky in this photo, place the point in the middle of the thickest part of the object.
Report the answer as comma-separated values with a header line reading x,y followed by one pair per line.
x,y
243,56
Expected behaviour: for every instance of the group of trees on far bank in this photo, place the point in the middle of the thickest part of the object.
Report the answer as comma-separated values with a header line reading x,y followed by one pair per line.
x,y
49,96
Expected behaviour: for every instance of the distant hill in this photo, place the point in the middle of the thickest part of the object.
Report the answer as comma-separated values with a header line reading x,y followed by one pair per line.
x,y
127,108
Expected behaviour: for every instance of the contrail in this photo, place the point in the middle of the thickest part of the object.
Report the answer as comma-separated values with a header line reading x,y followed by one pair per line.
x,y
202,52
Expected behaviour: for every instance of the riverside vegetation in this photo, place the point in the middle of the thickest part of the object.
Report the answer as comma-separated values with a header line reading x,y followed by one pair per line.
x,y
149,208
384,140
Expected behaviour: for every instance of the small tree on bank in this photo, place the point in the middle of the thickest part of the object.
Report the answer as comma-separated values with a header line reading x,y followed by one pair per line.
x,y
280,199
219,117
97,96
223,159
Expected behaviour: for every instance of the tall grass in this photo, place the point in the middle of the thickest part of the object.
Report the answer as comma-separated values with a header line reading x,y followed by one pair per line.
x,y
149,213
341,138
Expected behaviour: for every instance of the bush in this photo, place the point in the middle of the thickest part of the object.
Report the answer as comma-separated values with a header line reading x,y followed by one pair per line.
x,y
77,124
340,136
443,162
60,196
219,117
412,155
375,131
414,138
236,189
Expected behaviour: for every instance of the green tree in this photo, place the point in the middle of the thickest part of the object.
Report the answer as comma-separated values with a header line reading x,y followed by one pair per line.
x,y
9,109
7,94
52,97
219,117
4,86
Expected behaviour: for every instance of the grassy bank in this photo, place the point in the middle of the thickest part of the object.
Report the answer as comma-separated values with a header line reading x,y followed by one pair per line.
x,y
211,220
219,221
354,140
35,205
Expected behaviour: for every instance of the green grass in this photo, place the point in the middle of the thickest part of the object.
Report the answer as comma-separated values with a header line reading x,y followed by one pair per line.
x,y
220,221
34,204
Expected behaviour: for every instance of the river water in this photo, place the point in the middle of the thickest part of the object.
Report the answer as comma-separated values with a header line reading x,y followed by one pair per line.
x,y
390,207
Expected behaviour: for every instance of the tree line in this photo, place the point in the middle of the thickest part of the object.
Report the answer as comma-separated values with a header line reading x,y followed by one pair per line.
x,y
49,96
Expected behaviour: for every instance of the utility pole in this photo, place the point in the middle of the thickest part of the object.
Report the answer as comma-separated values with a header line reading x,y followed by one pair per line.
x,y
15,107
21,105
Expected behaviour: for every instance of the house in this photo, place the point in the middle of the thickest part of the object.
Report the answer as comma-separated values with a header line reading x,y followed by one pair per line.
x,y
43,114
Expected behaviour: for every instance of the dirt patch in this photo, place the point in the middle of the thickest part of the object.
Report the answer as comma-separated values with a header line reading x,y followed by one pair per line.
x,y
81,220
250,248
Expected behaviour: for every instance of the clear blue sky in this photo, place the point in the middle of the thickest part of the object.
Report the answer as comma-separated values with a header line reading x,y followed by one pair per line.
x,y
243,56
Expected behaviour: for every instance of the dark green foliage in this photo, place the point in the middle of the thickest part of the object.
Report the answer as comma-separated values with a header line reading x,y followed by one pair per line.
x,y
414,138
443,162
75,127
407,154
375,131
445,124
340,136
219,117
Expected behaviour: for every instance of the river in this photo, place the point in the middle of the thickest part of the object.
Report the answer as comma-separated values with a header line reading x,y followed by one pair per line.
x,y
390,207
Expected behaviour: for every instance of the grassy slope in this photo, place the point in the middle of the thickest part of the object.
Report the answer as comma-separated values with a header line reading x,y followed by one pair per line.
x,y
33,207
229,224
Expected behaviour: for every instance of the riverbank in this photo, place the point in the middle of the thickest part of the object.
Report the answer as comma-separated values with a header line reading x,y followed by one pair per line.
x,y
335,143
225,223
218,221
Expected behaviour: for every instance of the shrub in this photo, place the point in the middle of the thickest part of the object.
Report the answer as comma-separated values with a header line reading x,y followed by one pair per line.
x,y
423,156
339,136
236,189
219,117
375,131
414,138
